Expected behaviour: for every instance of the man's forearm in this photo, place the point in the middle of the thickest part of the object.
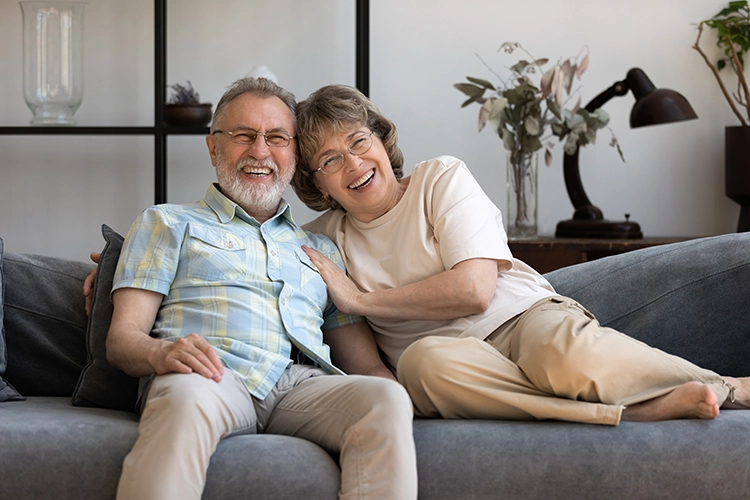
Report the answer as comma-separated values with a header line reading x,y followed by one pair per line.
x,y
133,351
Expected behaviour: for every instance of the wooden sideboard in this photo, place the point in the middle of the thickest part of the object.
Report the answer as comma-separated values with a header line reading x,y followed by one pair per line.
x,y
547,253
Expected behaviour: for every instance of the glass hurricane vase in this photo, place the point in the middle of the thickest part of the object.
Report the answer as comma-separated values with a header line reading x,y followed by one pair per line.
x,y
522,194
53,60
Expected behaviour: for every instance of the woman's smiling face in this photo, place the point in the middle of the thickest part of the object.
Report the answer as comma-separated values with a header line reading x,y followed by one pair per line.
x,y
365,186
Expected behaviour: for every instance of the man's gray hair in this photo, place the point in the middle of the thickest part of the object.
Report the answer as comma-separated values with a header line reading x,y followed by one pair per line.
x,y
258,86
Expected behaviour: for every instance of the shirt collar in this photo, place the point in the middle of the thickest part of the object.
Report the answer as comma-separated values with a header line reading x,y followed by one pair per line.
x,y
226,209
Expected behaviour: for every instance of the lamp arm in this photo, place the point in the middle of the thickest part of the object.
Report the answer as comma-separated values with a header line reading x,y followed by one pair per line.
x,y
584,209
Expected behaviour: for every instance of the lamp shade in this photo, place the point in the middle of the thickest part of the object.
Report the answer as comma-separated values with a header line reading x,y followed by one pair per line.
x,y
654,106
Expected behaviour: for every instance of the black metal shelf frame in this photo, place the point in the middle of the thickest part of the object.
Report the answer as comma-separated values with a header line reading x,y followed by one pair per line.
x,y
161,131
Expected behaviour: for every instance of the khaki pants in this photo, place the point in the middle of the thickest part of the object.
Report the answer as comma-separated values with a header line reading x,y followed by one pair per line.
x,y
554,361
366,420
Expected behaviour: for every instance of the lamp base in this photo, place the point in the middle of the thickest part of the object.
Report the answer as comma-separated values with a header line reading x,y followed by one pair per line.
x,y
601,228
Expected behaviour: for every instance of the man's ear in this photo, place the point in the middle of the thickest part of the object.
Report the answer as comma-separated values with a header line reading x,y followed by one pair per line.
x,y
211,144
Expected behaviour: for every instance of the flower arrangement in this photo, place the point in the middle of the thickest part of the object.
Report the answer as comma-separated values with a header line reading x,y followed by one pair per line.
x,y
732,26
531,102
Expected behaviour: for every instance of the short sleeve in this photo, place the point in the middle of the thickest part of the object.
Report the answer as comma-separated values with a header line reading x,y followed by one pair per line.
x,y
466,223
151,253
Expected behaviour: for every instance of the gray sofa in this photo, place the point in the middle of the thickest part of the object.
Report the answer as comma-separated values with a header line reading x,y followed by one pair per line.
x,y
65,440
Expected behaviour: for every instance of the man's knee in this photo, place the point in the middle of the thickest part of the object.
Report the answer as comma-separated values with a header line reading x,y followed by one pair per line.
x,y
384,396
183,396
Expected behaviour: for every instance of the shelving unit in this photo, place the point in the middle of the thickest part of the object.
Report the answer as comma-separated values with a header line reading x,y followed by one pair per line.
x,y
160,131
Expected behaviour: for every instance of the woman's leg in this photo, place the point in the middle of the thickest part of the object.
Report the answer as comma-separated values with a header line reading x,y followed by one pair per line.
x,y
562,349
467,378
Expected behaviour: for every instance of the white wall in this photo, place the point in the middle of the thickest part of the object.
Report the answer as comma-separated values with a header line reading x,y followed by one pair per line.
x,y
56,191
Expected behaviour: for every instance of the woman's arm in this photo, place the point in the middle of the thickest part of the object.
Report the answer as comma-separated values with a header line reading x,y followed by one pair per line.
x,y
465,289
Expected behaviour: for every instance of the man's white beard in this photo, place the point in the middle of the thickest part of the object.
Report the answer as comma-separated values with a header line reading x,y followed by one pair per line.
x,y
255,199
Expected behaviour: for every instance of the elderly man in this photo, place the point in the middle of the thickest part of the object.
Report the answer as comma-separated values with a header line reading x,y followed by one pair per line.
x,y
223,315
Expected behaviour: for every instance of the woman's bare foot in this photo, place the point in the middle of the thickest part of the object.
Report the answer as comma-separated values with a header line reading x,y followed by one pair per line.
x,y
690,400
741,393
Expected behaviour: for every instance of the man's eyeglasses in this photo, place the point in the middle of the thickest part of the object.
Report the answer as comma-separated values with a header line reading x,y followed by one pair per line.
x,y
332,163
248,136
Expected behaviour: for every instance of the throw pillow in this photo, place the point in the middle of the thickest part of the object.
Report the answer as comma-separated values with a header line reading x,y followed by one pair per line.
x,y
45,323
100,384
7,392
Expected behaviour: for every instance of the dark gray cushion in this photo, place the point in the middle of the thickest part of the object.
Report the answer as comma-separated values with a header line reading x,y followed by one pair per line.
x,y
100,384
7,392
45,323
691,299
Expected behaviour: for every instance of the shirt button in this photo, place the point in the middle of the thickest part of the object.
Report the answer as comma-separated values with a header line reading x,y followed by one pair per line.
x,y
284,301
230,245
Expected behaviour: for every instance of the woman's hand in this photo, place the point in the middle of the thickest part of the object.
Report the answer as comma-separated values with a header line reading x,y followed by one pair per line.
x,y
341,289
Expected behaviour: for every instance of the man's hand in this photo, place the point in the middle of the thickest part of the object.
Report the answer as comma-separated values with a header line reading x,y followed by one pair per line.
x,y
131,349
88,284
341,289
187,355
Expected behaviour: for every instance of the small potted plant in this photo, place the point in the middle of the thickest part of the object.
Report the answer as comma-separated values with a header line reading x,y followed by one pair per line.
x,y
184,107
732,28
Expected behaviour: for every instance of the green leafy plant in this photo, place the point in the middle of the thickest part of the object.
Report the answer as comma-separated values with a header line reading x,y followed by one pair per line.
x,y
528,107
732,27
183,94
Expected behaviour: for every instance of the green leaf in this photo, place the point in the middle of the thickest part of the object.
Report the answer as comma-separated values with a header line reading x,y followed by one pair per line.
x,y
531,125
469,89
497,112
468,101
519,66
554,108
483,83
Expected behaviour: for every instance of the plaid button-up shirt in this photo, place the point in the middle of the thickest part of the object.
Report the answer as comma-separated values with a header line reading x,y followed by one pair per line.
x,y
247,288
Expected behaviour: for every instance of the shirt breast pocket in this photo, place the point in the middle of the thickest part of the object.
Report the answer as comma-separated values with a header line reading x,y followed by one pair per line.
x,y
311,282
215,255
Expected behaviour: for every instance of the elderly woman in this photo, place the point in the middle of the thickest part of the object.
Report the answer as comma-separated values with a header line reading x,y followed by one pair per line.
x,y
470,331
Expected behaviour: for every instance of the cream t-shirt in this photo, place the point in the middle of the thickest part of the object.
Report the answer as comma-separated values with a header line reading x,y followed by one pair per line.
x,y
442,219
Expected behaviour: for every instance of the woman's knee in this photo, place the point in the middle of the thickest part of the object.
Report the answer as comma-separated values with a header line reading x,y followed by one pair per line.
x,y
423,360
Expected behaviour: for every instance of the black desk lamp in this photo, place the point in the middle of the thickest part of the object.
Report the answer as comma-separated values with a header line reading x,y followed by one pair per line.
x,y
652,106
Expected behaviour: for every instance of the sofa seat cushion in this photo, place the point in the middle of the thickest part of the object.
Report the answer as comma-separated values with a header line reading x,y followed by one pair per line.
x,y
475,459
51,449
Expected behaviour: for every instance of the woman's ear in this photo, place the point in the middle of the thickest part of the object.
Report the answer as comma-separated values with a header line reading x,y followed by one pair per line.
x,y
320,187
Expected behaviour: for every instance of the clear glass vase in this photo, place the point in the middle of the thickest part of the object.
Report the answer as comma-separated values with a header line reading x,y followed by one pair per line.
x,y
522,195
53,60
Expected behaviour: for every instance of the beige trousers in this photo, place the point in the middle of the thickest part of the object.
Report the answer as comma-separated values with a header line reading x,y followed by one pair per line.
x,y
554,361
366,420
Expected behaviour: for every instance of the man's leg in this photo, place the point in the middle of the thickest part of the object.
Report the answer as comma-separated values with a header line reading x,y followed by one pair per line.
x,y
366,420
184,418
468,378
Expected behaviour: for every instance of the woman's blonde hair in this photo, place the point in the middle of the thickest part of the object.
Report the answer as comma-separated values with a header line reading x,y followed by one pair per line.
x,y
329,111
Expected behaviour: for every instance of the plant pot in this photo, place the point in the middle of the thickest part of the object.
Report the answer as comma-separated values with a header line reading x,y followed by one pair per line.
x,y
182,115
737,171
